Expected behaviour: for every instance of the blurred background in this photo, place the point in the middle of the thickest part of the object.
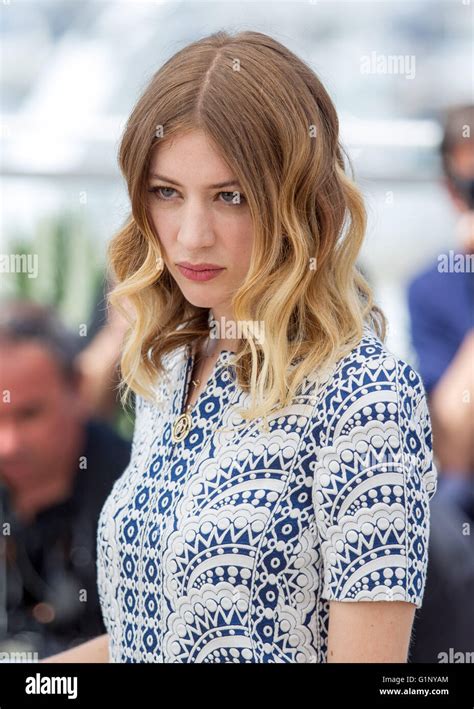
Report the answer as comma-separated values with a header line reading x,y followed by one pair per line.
x,y
72,71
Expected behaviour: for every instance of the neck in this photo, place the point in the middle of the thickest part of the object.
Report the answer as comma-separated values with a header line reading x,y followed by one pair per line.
x,y
56,488
222,343
29,503
210,348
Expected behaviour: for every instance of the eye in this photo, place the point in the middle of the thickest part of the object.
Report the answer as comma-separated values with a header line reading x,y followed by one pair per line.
x,y
230,198
30,412
236,198
158,191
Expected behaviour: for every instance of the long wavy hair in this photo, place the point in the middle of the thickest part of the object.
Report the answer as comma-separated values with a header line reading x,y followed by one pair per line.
x,y
275,125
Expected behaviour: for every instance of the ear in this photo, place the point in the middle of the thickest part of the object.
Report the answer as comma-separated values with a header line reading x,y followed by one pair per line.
x,y
77,384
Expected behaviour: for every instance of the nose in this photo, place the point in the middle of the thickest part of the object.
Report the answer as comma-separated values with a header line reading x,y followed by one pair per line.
x,y
9,440
196,230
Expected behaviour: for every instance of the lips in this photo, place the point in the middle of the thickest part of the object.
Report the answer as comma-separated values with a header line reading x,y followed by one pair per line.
x,y
200,266
200,272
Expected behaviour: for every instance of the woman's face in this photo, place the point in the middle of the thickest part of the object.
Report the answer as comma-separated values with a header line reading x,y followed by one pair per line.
x,y
200,217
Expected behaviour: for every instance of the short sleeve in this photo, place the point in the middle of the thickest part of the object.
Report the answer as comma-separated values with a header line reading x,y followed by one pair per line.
x,y
374,478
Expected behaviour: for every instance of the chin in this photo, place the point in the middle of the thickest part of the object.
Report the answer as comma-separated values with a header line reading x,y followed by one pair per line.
x,y
198,300
201,303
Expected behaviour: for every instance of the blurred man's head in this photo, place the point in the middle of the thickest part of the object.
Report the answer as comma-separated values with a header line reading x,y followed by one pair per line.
x,y
41,418
457,155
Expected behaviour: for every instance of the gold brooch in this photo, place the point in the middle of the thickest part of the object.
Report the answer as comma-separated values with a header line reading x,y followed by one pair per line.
x,y
181,427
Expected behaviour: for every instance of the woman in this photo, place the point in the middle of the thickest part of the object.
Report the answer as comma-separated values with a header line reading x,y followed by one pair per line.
x,y
282,468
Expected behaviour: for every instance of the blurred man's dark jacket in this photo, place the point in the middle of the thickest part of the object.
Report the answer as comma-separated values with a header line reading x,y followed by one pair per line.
x,y
441,308
51,579
446,618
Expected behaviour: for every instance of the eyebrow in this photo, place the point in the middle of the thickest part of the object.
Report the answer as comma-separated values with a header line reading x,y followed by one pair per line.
x,y
228,183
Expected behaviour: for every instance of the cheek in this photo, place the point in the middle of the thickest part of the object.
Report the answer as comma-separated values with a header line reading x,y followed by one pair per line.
x,y
41,431
164,226
63,412
238,244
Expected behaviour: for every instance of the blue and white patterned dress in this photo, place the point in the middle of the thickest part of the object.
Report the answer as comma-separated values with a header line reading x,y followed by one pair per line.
x,y
229,545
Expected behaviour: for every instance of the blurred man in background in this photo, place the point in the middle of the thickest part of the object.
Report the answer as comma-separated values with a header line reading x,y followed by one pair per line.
x,y
441,306
57,467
